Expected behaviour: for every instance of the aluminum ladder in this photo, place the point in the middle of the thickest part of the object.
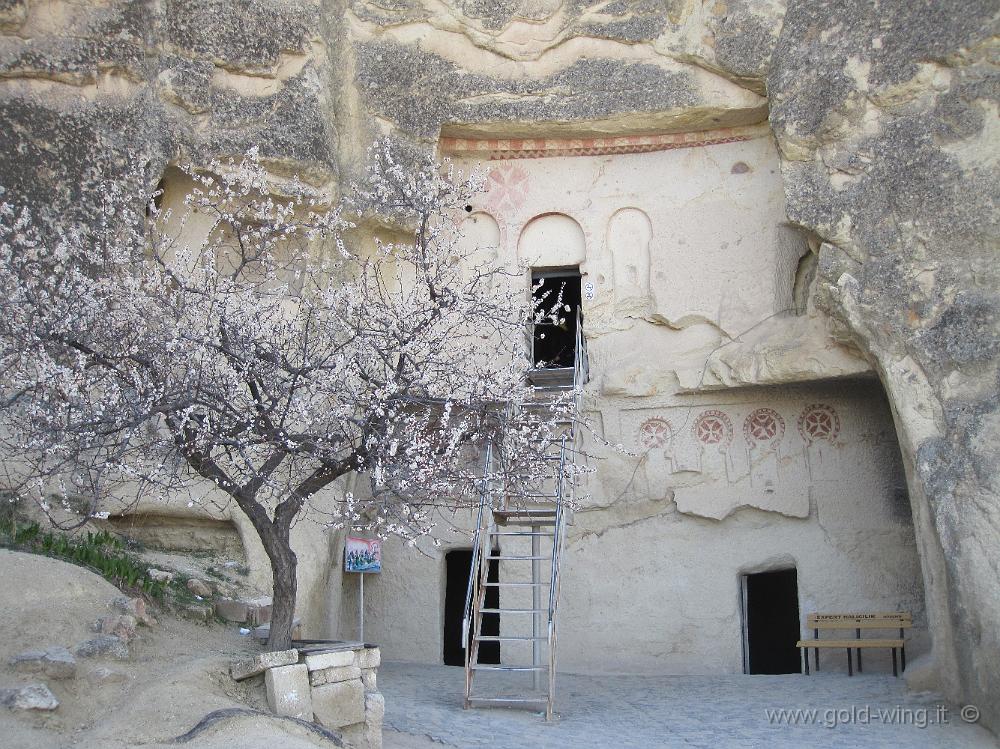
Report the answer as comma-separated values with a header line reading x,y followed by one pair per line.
x,y
524,533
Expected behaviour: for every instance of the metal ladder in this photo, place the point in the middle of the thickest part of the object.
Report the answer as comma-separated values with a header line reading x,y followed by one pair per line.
x,y
525,534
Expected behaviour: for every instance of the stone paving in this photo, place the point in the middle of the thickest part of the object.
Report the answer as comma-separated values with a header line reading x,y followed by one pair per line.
x,y
715,712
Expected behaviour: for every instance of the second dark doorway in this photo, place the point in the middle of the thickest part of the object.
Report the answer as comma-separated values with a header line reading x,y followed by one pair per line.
x,y
457,564
771,611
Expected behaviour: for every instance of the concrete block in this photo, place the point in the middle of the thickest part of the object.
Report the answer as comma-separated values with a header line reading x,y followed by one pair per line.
x,y
354,736
252,612
369,680
341,704
367,735
368,658
319,661
374,709
244,668
334,675
288,691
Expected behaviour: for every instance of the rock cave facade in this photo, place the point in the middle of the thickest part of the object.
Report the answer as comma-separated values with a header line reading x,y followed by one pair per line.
x,y
784,215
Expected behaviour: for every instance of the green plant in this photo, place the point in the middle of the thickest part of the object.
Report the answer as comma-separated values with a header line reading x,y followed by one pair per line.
x,y
102,552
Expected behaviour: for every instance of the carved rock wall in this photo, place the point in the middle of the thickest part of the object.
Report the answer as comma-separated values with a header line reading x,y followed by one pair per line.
x,y
85,88
885,118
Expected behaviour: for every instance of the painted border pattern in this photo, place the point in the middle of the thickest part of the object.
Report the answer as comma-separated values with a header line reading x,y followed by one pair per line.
x,y
496,149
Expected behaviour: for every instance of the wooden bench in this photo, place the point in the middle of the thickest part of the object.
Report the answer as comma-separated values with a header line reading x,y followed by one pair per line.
x,y
816,622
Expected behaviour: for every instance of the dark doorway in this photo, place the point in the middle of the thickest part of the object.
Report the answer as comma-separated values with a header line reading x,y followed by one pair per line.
x,y
457,564
555,340
771,618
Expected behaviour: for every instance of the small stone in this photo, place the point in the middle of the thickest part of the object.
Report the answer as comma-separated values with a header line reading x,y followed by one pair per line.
x,y
232,610
159,576
134,606
333,675
29,697
369,680
341,704
102,645
369,658
54,662
244,668
198,612
288,691
199,587
121,626
319,661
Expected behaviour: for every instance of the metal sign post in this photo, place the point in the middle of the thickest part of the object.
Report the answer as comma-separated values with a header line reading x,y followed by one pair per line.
x,y
361,607
362,555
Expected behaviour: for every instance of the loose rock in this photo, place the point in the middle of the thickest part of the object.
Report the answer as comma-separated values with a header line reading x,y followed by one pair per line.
x,y
102,645
198,612
29,697
199,587
54,662
134,606
121,626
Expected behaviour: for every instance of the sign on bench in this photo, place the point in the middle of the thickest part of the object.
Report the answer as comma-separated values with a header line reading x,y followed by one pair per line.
x,y
897,620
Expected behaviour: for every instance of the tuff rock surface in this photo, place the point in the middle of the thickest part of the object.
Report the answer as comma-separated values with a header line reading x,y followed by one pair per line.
x,y
886,119
885,116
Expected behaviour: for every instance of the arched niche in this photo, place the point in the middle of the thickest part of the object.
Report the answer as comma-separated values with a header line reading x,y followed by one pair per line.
x,y
479,244
481,237
629,235
552,240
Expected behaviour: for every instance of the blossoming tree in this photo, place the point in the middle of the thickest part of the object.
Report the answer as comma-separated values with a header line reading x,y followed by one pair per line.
x,y
243,350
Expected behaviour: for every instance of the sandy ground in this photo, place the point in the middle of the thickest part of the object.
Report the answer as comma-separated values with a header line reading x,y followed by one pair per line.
x,y
177,673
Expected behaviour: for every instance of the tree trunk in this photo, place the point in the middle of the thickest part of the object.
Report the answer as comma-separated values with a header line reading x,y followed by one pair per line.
x,y
283,574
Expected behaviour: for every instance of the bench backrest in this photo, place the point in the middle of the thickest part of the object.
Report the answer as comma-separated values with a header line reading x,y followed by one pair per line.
x,y
890,620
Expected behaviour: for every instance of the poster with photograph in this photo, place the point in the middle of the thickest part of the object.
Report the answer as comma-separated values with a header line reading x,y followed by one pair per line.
x,y
362,555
